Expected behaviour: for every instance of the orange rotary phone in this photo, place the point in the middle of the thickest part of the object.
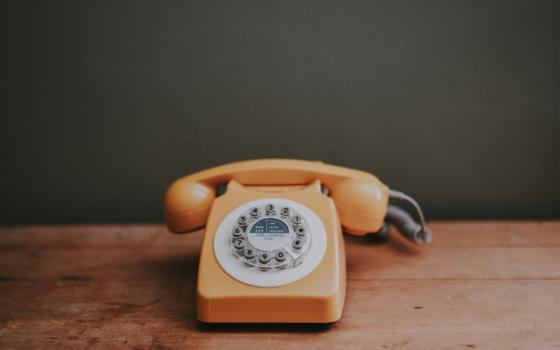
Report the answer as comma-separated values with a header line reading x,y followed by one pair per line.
x,y
273,250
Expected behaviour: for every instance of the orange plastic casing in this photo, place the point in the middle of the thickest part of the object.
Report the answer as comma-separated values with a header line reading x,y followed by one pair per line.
x,y
316,298
358,202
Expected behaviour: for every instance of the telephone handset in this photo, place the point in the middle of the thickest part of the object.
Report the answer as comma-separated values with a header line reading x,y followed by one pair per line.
x,y
273,249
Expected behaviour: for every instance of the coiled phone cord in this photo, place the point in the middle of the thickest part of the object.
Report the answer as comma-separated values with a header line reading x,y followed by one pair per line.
x,y
407,226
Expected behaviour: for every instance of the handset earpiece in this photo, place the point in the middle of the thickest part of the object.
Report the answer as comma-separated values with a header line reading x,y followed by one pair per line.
x,y
187,205
363,207
361,204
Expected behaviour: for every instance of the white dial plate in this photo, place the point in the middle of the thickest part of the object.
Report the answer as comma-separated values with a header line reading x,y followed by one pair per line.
x,y
272,277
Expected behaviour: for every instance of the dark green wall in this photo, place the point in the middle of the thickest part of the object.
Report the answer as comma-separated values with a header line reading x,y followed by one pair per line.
x,y
105,103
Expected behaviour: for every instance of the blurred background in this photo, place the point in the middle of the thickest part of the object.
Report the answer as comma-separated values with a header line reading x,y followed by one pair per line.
x,y
105,103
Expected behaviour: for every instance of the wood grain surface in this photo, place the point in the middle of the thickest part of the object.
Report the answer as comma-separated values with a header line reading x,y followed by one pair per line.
x,y
479,285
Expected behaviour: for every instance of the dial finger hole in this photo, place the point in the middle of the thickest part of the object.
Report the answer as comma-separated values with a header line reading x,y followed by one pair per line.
x,y
237,232
285,212
249,253
269,209
239,244
280,256
243,220
264,258
255,212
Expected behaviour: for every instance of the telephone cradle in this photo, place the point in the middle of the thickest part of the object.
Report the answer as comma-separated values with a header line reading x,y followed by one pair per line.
x,y
273,249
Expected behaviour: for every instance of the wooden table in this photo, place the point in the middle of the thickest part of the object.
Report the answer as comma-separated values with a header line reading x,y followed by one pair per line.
x,y
483,285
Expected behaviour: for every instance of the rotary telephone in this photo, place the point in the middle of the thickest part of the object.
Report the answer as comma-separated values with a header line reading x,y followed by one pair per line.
x,y
273,249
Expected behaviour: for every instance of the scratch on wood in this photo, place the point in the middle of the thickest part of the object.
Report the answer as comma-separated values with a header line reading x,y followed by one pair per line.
x,y
134,306
397,345
74,278
8,279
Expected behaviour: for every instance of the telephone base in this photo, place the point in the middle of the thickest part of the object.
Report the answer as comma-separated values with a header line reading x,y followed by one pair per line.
x,y
317,296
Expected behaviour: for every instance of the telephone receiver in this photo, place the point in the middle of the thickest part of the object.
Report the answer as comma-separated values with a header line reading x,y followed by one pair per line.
x,y
273,249
360,198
